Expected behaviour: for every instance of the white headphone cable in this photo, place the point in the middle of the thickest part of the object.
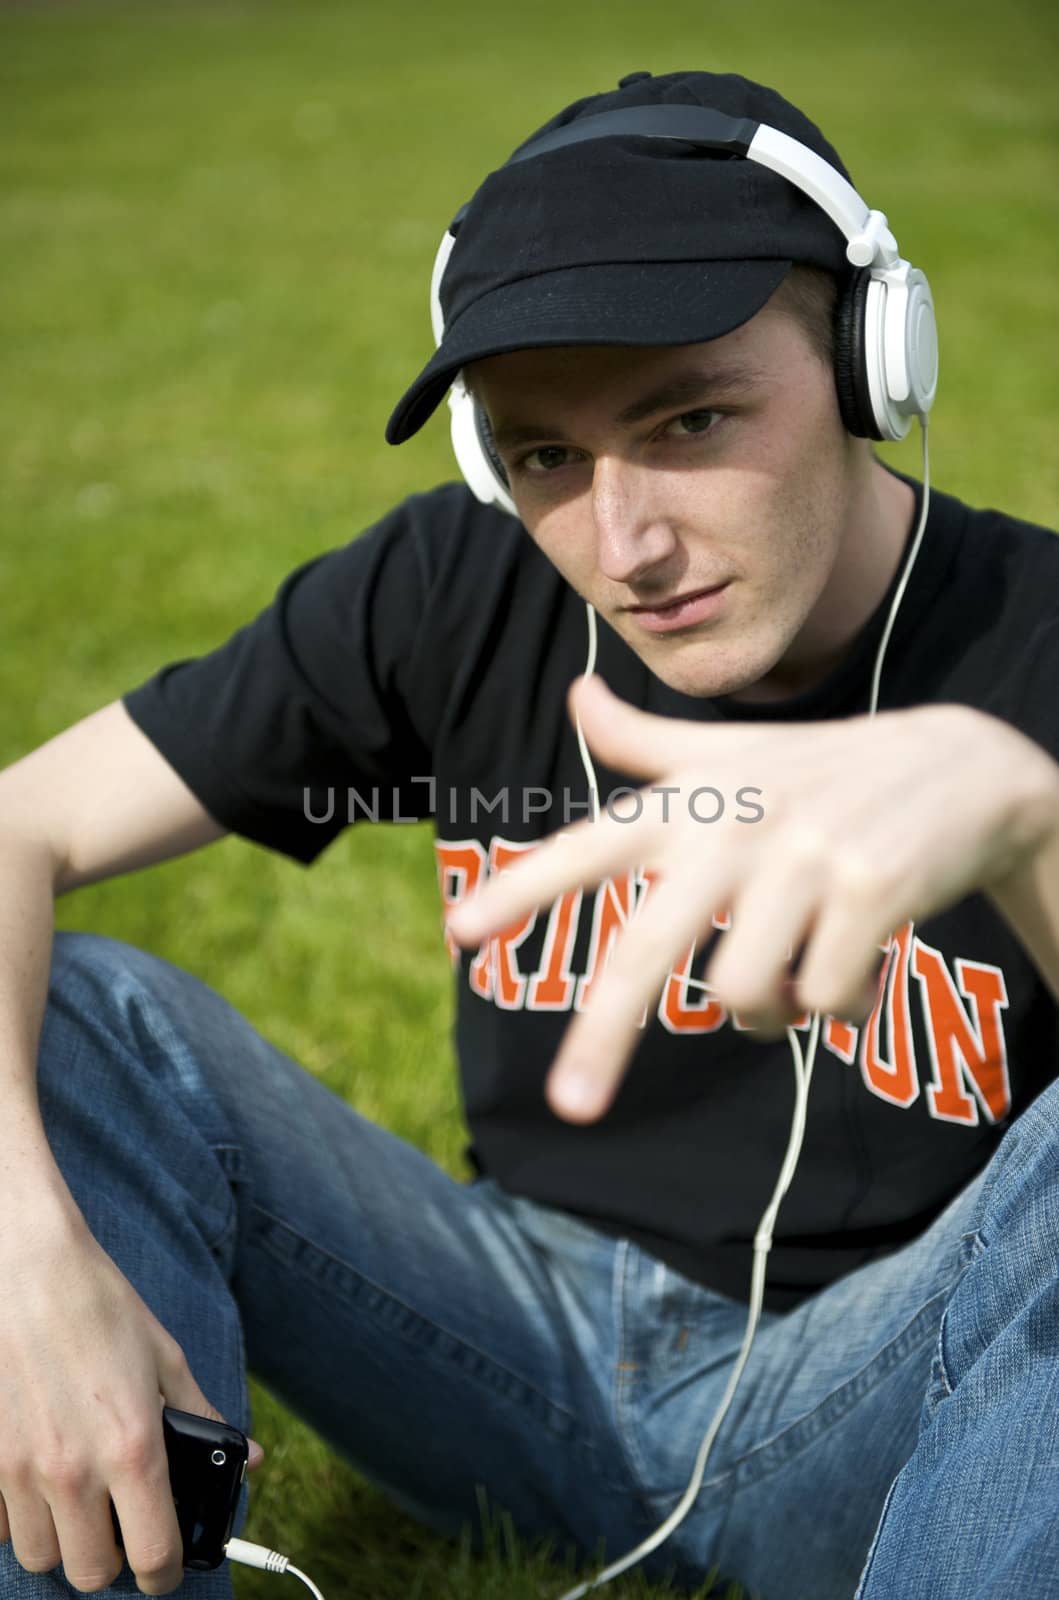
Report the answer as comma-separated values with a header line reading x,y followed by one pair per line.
x,y
803,1070
899,592
586,759
258,1555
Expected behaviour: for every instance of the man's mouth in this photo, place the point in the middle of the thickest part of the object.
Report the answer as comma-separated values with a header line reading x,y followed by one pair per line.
x,y
682,611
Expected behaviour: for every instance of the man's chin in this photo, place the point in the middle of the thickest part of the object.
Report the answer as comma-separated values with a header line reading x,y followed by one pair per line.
x,y
701,679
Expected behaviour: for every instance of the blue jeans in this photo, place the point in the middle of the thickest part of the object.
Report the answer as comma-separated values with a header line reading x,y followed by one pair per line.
x,y
900,1429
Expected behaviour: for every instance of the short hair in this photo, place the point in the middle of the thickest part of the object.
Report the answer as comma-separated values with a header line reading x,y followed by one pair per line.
x,y
808,295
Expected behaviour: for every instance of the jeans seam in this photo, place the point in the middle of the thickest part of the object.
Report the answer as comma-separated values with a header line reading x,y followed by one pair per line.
x,y
971,1246
774,1453
233,1172
621,1260
870,1558
356,1288
632,1457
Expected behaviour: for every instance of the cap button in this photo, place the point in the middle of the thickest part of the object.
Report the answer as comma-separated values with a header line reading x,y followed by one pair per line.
x,y
632,77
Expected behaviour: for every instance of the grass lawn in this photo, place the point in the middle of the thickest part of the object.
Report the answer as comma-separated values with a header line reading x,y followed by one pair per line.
x,y
217,226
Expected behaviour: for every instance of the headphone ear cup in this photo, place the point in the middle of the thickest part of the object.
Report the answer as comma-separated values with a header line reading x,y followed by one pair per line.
x,y
850,364
488,443
481,469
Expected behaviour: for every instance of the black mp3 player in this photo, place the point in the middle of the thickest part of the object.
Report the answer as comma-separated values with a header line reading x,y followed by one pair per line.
x,y
207,1465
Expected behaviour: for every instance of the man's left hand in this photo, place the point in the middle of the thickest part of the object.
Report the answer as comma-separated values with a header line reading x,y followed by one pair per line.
x,y
868,823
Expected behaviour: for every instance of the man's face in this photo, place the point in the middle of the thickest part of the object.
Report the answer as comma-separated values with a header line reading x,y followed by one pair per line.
x,y
702,497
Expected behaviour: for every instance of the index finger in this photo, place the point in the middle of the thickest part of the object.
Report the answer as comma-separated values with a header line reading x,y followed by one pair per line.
x,y
581,856
599,1042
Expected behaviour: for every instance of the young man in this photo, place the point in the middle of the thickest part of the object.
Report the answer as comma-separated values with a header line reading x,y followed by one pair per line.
x,y
683,454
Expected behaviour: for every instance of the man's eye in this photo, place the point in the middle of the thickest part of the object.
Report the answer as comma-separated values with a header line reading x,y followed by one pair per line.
x,y
547,458
693,422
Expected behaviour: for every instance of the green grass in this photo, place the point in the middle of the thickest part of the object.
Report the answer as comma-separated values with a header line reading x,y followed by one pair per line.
x,y
216,228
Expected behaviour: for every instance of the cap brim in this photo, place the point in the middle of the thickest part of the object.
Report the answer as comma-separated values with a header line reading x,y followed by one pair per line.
x,y
636,303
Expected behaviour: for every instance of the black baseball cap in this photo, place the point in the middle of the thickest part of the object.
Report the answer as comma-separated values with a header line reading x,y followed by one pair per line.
x,y
625,240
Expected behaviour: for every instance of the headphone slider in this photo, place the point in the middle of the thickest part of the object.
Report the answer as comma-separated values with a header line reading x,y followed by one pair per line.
x,y
874,239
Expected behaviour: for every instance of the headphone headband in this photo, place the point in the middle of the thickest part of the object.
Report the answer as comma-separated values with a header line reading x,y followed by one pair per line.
x,y
865,230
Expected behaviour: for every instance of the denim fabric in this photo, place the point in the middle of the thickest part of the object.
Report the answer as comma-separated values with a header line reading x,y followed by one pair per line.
x,y
443,1335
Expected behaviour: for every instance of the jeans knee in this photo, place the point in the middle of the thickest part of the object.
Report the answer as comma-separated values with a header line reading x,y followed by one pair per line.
x,y
120,1078
93,960
131,1021
108,1002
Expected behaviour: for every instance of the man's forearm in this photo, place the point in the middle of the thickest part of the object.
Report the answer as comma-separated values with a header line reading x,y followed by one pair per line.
x,y
26,928
1028,899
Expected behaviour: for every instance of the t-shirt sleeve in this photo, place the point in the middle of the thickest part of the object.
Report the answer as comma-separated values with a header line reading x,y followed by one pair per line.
x,y
307,705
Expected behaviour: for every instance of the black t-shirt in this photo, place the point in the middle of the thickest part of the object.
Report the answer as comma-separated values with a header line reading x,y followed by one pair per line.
x,y
421,670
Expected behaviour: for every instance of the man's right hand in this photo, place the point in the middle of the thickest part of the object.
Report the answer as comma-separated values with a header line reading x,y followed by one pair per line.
x,y
85,1369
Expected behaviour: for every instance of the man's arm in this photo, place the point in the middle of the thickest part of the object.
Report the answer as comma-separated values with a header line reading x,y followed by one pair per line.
x,y
95,801
1029,901
88,805
104,800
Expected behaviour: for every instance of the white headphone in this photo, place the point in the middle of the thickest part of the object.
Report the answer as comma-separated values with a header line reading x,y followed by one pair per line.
x,y
886,342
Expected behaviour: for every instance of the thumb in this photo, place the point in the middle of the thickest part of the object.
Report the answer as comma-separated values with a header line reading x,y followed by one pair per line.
x,y
626,739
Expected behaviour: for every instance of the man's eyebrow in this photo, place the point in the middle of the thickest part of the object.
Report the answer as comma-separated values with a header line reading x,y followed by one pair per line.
x,y
693,384
680,389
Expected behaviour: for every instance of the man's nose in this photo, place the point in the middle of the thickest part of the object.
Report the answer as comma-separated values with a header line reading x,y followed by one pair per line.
x,y
633,533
